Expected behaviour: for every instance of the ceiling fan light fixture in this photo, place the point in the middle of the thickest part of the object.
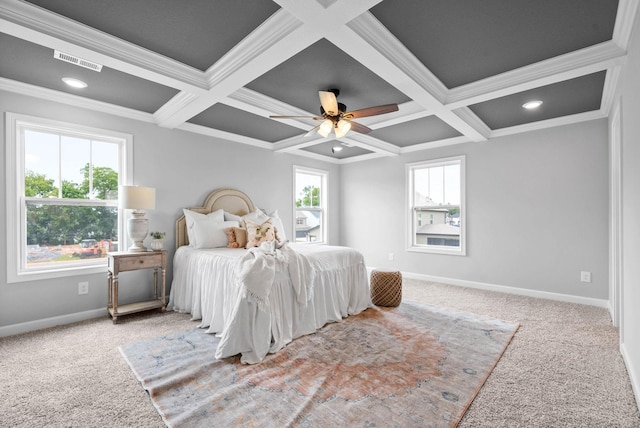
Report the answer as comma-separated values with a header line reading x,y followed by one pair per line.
x,y
342,127
530,105
325,128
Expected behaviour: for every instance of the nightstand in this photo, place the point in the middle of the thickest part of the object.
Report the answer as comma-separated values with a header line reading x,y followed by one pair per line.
x,y
124,261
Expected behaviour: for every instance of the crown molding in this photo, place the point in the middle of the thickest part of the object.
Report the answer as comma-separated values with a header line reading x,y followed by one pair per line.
x,y
45,28
372,144
289,145
223,135
610,88
361,158
274,41
270,33
625,18
435,144
265,106
383,53
73,100
550,123
574,64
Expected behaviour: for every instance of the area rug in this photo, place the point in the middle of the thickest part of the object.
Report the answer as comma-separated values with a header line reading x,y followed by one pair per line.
x,y
414,365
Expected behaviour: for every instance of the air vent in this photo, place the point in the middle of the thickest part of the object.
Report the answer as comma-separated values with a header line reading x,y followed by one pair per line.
x,y
77,61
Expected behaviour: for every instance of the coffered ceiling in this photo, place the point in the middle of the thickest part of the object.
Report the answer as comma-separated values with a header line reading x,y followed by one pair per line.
x,y
459,70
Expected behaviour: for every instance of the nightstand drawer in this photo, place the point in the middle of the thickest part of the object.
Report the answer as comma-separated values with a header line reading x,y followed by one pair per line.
x,y
135,263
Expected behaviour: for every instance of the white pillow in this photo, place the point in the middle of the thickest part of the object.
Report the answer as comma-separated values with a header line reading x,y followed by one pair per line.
x,y
213,235
258,216
232,217
277,223
192,217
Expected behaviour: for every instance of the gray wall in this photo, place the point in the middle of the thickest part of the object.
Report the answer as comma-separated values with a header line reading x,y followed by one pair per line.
x,y
536,211
183,167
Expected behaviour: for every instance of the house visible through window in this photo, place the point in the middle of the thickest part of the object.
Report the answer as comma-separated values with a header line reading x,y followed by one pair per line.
x,y
64,192
436,193
310,201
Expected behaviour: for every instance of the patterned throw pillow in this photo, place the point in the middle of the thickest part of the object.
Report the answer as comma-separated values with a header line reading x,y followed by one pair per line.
x,y
237,237
259,233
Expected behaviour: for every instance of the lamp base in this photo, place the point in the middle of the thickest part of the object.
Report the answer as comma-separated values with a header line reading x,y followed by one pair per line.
x,y
138,230
137,247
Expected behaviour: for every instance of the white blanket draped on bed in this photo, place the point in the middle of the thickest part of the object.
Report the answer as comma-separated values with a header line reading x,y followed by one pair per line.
x,y
311,285
258,267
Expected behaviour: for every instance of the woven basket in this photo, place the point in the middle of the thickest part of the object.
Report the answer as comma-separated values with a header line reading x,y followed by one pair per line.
x,y
386,287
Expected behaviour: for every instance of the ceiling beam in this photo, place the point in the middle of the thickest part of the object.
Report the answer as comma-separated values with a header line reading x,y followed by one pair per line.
x,y
564,67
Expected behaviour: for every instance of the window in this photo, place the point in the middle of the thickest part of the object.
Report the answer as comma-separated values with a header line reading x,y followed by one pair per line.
x,y
62,197
310,205
436,206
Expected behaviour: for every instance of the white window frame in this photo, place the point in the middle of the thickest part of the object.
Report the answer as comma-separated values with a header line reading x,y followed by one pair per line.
x,y
324,200
411,222
15,201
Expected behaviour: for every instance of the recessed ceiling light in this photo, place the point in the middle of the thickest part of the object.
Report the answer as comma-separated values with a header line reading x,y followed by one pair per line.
x,y
336,148
74,83
532,104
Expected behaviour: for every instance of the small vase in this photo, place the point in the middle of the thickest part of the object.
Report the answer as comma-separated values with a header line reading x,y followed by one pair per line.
x,y
157,244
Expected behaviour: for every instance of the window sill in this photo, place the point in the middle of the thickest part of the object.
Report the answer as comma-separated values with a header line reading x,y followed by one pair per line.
x,y
434,249
40,275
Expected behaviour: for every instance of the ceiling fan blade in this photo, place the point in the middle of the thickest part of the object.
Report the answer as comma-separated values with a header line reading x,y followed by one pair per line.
x,y
329,102
355,126
371,111
297,117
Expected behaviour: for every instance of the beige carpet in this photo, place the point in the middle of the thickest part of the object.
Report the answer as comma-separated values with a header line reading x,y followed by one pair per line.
x,y
562,368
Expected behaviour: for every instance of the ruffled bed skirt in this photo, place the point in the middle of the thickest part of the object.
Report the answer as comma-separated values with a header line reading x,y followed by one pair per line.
x,y
205,285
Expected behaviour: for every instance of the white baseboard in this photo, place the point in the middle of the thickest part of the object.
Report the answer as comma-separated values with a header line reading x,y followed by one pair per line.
x,y
97,313
602,303
25,327
633,376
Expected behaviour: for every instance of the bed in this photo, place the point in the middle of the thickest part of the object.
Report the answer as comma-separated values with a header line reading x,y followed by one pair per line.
x,y
258,300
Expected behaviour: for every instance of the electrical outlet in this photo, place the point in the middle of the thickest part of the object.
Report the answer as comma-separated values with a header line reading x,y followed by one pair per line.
x,y
391,256
83,288
585,276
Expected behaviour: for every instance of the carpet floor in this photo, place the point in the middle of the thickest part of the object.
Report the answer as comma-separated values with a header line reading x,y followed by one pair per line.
x,y
562,368
415,365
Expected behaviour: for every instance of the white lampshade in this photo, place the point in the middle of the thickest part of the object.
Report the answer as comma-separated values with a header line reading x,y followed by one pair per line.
x,y
342,128
325,128
138,199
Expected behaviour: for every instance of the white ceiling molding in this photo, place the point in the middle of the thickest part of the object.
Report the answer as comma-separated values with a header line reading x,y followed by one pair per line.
x,y
379,50
73,100
244,63
408,111
40,26
265,106
574,64
550,123
609,91
361,158
292,144
223,135
625,17
368,142
297,25
434,144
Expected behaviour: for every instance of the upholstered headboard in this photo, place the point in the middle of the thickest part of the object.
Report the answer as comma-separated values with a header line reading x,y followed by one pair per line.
x,y
230,200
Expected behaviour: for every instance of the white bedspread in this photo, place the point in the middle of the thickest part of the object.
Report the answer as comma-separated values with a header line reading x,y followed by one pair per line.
x,y
207,284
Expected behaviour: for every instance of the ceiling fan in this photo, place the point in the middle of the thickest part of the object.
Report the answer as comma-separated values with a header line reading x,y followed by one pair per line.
x,y
334,115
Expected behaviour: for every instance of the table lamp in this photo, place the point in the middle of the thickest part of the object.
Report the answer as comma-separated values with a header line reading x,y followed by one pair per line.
x,y
138,199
